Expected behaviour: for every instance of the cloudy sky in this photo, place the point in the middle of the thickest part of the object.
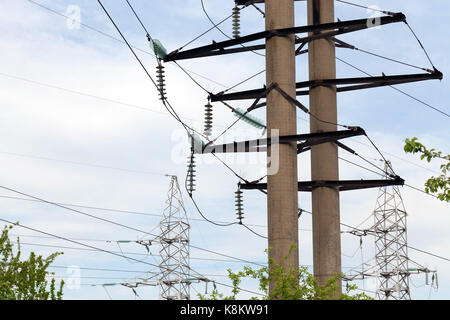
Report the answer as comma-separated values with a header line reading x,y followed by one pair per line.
x,y
82,125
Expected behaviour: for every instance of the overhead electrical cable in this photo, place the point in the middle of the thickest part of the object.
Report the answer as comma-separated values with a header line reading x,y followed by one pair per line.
x,y
120,211
111,36
366,7
164,99
101,219
220,30
93,247
126,253
395,88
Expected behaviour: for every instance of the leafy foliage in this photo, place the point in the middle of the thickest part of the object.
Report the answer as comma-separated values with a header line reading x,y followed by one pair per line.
x,y
440,186
25,280
291,284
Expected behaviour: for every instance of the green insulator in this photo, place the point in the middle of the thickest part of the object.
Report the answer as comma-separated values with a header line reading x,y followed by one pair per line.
x,y
253,121
158,48
197,144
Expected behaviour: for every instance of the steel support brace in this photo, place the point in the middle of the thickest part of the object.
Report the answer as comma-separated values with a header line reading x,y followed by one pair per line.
x,y
343,185
343,85
335,28
247,2
260,145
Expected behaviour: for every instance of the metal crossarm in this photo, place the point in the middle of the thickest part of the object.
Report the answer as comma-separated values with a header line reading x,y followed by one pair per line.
x,y
260,145
343,185
335,28
343,85
246,2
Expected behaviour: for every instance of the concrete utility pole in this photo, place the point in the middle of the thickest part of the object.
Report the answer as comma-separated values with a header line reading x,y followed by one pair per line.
x,y
324,157
282,189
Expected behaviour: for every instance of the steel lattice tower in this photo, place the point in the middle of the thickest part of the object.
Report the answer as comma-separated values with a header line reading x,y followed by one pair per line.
x,y
174,282
391,251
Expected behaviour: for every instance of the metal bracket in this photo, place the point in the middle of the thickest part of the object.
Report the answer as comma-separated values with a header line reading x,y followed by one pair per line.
x,y
260,145
334,28
342,185
342,85
246,2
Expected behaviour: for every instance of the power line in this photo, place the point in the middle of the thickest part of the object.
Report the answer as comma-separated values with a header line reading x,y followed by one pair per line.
x,y
429,253
385,152
121,270
397,157
121,255
188,72
410,247
129,253
125,211
83,94
111,36
395,88
407,185
77,239
348,46
74,241
140,21
420,190
215,25
206,219
215,223
220,30
122,103
164,99
95,248
244,81
99,269
87,277
199,85
176,63
72,210
144,51
64,206
80,163
135,229
89,207
106,99
420,44
366,7
105,220
360,166
374,145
